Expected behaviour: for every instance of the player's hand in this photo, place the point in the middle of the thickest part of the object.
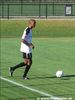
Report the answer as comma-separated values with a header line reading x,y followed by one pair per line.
x,y
31,46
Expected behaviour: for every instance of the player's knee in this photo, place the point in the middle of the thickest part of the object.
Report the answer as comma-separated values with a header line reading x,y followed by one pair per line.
x,y
25,61
29,62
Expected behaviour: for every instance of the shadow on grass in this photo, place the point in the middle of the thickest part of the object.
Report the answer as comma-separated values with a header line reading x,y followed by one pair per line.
x,y
45,77
42,77
69,76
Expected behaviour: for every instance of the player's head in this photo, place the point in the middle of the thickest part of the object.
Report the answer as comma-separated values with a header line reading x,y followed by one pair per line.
x,y
32,23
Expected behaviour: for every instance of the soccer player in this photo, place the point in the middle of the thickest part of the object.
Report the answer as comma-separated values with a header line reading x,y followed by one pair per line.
x,y
26,49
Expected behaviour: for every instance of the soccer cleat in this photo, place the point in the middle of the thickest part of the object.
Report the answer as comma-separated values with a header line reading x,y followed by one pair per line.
x,y
25,78
11,71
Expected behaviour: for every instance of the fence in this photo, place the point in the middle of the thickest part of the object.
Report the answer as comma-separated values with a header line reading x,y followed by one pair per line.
x,y
34,10
35,1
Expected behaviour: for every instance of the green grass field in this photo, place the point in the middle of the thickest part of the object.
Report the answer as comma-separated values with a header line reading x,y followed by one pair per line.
x,y
54,50
44,28
50,55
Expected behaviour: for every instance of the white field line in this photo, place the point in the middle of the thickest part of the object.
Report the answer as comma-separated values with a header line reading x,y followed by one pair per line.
x,y
29,88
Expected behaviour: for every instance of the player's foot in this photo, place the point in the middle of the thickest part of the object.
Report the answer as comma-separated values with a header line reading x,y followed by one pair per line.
x,y
25,78
11,71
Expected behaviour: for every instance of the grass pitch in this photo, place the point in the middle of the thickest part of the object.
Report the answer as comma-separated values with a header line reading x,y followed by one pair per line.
x,y
50,55
44,28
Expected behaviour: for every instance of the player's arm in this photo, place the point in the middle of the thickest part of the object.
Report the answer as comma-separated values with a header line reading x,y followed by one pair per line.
x,y
28,44
25,42
26,32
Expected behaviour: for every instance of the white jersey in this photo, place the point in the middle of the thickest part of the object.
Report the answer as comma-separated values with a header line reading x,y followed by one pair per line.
x,y
27,36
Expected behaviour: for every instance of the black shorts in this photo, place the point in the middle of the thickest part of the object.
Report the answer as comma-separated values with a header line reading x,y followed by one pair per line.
x,y
28,56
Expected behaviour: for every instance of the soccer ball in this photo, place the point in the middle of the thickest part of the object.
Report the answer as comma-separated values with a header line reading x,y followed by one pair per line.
x,y
59,74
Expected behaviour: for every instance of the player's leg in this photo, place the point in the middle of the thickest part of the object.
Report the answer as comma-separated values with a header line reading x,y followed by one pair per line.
x,y
12,69
29,63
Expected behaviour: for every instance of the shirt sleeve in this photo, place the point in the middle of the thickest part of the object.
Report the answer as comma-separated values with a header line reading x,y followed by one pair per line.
x,y
26,32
